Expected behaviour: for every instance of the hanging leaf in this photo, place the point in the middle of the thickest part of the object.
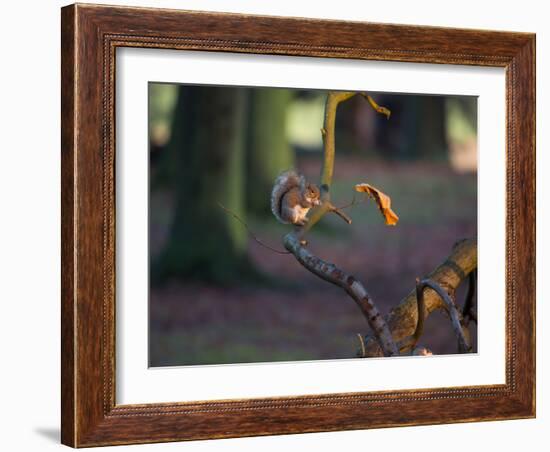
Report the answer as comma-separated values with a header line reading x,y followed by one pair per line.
x,y
382,200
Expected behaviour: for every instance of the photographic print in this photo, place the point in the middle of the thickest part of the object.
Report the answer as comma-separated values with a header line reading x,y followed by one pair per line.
x,y
302,260
295,224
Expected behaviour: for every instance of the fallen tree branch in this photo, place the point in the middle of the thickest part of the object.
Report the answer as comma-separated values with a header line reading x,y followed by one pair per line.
x,y
402,319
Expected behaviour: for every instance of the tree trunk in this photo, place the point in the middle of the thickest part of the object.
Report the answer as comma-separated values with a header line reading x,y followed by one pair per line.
x,y
417,129
268,150
432,134
208,137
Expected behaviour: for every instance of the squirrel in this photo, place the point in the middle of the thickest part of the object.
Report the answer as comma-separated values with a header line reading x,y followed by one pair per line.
x,y
292,197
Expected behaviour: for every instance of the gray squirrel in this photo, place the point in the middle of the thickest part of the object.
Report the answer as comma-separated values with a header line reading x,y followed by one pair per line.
x,y
292,197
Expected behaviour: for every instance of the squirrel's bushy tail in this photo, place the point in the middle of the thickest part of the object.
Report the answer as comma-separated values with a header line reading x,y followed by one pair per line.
x,y
285,181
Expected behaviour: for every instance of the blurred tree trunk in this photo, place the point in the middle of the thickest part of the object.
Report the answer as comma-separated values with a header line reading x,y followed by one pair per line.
x,y
468,105
268,150
432,134
162,155
208,142
417,128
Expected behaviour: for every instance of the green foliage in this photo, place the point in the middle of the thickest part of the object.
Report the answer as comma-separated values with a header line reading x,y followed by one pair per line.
x,y
304,119
461,118
162,101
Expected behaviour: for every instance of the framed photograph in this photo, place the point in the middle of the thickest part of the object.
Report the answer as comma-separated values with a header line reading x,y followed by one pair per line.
x,y
282,225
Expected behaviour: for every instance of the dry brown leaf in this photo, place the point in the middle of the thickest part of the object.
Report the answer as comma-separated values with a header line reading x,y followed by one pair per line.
x,y
382,200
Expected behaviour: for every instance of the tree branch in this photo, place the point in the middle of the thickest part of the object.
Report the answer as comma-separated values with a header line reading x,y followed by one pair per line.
x,y
334,98
402,319
463,343
407,319
340,213
421,313
331,273
295,242
327,170
468,310
377,108
409,343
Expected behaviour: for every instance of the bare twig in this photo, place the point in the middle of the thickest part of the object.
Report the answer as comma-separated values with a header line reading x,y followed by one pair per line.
x,y
376,107
341,214
463,343
353,202
256,239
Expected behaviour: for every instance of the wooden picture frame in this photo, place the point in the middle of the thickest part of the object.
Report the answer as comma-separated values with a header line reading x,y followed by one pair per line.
x,y
90,36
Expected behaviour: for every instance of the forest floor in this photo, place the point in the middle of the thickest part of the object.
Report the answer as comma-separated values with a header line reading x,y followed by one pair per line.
x,y
304,317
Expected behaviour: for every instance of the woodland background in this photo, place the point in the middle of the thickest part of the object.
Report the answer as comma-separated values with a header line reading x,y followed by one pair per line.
x,y
217,296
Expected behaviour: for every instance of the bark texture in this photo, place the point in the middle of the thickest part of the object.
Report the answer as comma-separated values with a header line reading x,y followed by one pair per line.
x,y
449,275
331,273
